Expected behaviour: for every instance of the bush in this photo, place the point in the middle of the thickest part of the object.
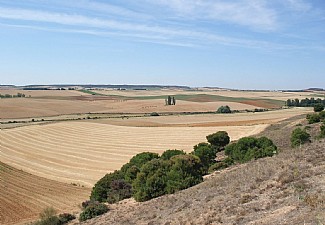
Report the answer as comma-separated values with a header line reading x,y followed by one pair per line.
x,y
166,155
151,181
318,107
92,211
131,169
224,109
154,114
221,165
218,140
119,190
299,137
313,118
185,172
102,187
66,217
48,217
322,115
248,148
158,177
206,154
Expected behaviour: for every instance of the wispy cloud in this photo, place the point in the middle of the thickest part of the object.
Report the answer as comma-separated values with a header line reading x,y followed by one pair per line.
x,y
111,20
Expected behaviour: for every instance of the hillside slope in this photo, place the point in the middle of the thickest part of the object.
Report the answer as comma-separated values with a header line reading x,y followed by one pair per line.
x,y
286,189
23,196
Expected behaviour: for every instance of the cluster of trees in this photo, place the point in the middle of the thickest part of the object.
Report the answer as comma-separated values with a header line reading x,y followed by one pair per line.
x,y
224,109
148,175
299,137
170,101
18,95
305,102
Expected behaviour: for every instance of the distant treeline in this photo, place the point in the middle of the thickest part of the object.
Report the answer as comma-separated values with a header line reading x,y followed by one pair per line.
x,y
18,95
305,102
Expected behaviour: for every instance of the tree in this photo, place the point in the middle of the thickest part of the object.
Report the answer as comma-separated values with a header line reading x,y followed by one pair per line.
x,y
322,130
184,172
169,100
168,154
131,168
224,109
299,137
318,107
102,188
248,148
207,155
218,140
151,181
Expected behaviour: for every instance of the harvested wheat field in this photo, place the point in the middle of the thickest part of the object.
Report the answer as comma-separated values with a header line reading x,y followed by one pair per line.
x,y
82,152
24,195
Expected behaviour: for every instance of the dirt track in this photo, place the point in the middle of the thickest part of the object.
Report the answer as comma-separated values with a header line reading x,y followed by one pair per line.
x,y
24,195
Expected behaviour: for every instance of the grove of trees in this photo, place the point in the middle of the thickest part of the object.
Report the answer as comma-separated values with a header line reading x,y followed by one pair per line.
x,y
307,102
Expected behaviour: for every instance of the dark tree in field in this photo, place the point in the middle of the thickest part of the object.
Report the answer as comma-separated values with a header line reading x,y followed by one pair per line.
x,y
318,107
174,101
169,100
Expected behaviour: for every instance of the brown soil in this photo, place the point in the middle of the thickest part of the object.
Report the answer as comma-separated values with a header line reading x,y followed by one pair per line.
x,y
23,196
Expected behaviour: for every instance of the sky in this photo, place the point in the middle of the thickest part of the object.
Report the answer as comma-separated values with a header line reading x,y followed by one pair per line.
x,y
243,44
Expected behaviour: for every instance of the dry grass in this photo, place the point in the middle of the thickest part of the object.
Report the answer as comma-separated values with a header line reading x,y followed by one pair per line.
x,y
23,196
82,152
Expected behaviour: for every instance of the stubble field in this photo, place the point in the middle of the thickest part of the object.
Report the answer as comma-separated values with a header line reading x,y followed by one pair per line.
x,y
39,159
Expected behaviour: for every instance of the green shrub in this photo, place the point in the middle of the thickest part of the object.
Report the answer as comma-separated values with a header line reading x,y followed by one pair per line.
x,y
92,211
313,118
151,181
158,177
248,148
166,155
206,154
131,168
224,109
102,187
221,165
66,217
322,115
318,107
119,190
185,172
299,137
218,140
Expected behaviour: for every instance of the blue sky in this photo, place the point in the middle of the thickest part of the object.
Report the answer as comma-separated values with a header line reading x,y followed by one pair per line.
x,y
245,44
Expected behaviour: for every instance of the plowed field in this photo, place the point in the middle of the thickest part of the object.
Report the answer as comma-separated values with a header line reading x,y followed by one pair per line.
x,y
82,152
23,196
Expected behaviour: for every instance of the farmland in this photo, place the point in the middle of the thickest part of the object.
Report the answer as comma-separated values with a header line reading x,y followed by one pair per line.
x,y
63,141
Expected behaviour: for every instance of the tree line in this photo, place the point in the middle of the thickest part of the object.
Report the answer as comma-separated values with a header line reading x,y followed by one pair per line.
x,y
307,102
18,95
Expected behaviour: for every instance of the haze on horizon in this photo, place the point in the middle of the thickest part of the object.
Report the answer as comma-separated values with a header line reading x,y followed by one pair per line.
x,y
244,44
